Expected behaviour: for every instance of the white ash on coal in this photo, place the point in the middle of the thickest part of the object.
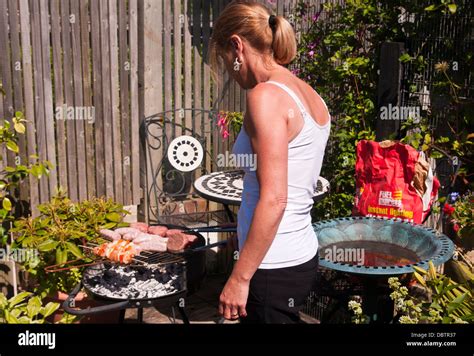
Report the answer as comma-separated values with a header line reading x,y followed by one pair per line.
x,y
132,282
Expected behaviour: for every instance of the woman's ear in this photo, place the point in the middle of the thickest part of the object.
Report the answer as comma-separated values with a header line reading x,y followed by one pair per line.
x,y
237,45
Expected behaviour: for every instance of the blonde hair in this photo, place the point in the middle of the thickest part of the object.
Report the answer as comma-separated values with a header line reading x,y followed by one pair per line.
x,y
250,20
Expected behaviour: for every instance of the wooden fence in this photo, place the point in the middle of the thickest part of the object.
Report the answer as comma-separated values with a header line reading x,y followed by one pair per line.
x,y
87,72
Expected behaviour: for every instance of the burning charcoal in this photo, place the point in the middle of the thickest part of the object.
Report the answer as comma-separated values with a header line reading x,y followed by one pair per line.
x,y
109,274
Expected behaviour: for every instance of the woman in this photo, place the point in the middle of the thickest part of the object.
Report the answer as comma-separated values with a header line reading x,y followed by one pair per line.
x,y
286,126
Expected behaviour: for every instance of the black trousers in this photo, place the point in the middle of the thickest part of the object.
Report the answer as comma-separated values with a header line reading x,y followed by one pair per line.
x,y
277,295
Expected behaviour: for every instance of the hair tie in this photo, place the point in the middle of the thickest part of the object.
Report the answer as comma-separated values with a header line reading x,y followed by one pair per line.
x,y
272,22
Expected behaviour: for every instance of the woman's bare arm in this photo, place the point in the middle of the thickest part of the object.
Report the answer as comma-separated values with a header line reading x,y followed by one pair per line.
x,y
267,128
268,132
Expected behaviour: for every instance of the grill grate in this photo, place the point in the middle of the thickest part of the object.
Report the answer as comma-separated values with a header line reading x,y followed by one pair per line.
x,y
146,258
157,258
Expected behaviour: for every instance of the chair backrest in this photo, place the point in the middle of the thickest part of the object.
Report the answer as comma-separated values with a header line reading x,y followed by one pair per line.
x,y
165,184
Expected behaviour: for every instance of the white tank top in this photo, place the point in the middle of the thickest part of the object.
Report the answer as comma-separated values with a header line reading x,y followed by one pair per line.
x,y
295,242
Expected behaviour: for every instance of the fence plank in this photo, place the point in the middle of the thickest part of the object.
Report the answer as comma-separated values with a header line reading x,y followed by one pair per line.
x,y
178,20
27,70
39,94
87,98
69,101
134,104
167,28
5,63
48,97
106,92
58,93
197,69
188,79
167,73
124,69
16,82
98,99
114,102
152,53
78,100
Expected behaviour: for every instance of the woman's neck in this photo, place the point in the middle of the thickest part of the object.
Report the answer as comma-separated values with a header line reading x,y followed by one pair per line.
x,y
262,70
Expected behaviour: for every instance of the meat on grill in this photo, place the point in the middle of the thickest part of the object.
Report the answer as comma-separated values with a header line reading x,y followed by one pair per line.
x,y
129,241
158,230
151,243
110,235
178,241
143,227
119,251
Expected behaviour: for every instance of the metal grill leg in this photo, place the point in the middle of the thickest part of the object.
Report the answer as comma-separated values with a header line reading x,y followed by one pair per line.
x,y
140,315
122,316
182,312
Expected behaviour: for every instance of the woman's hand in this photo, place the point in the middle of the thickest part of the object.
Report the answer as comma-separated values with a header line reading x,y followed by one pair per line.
x,y
233,298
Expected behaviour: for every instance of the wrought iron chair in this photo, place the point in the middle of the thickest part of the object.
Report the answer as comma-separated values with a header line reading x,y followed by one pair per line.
x,y
169,191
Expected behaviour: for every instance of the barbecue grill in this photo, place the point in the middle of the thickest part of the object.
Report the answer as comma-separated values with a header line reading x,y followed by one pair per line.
x,y
153,279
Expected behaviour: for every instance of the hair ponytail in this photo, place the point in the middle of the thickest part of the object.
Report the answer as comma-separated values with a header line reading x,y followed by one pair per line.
x,y
284,41
251,21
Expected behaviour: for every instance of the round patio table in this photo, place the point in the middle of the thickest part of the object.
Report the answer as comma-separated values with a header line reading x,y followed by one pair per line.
x,y
226,187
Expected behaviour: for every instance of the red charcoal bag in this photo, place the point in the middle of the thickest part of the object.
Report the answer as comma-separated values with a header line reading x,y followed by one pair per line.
x,y
392,181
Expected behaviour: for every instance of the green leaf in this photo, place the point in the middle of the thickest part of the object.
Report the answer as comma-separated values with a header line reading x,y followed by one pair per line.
x,y
12,146
3,301
33,307
47,245
49,309
61,256
420,270
76,251
19,127
7,204
419,278
431,8
115,217
19,298
11,319
452,8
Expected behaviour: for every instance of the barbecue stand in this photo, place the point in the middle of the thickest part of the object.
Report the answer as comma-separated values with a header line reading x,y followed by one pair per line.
x,y
192,261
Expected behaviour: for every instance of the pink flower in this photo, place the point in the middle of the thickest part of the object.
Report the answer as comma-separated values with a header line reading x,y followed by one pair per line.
x,y
456,227
311,53
225,133
448,209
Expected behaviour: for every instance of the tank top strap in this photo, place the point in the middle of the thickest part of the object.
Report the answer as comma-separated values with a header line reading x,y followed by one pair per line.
x,y
292,94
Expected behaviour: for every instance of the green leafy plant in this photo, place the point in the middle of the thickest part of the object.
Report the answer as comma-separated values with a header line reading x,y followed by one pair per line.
x,y
446,302
442,301
12,176
462,217
229,120
25,308
57,234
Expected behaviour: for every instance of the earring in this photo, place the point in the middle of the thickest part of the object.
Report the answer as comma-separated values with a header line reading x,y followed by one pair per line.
x,y
237,64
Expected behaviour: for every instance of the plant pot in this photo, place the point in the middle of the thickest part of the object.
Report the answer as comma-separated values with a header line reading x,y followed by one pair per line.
x,y
83,301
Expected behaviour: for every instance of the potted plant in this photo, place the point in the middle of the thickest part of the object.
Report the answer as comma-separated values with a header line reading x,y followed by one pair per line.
x,y
26,308
57,235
